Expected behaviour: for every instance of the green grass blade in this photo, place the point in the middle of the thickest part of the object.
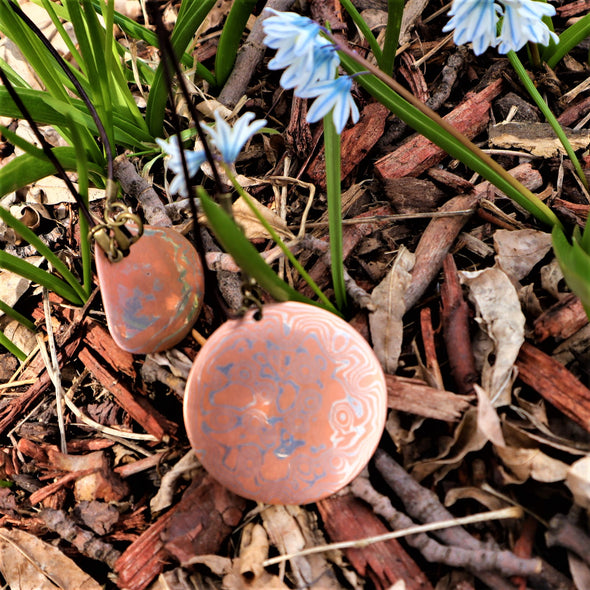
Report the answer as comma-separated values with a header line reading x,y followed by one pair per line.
x,y
15,315
333,158
569,39
230,38
11,347
186,25
395,11
41,277
246,256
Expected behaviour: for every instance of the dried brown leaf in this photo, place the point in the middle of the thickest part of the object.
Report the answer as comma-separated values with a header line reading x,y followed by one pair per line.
x,y
28,562
386,321
518,251
501,335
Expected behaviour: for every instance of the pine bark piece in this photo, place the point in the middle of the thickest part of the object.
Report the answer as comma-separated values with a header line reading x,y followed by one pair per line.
x,y
356,143
561,320
144,559
434,376
441,232
573,8
99,339
415,397
555,384
136,406
19,406
201,521
537,139
418,154
455,320
345,519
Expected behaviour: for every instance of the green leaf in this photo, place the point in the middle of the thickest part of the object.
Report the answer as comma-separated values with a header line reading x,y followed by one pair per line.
x,y
246,256
28,168
12,348
29,271
15,315
574,263
190,18
230,38
569,39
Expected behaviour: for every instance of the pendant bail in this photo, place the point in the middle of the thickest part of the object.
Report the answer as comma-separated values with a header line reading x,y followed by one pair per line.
x,y
112,236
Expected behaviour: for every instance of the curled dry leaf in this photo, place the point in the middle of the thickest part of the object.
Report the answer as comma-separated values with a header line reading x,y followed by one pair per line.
x,y
518,251
467,438
578,481
386,321
501,323
27,562
487,418
486,499
525,463
250,224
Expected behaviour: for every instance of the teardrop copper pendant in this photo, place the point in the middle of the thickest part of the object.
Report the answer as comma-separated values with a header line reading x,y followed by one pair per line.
x,y
153,296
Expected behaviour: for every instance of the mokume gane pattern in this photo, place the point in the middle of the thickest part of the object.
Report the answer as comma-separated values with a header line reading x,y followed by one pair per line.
x,y
288,409
153,296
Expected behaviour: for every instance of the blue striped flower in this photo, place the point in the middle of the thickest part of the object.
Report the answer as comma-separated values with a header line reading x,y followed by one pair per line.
x,y
194,159
522,23
228,140
332,95
310,62
475,21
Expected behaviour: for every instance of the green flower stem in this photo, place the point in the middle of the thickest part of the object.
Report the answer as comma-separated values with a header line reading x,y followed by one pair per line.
x,y
273,234
424,120
534,93
395,11
333,173
364,29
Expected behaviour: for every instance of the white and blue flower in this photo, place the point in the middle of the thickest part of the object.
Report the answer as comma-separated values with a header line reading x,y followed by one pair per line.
x,y
228,140
522,23
194,159
332,95
311,63
475,21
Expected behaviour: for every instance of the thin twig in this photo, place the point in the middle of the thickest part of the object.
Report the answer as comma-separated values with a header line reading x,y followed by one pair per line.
x,y
503,513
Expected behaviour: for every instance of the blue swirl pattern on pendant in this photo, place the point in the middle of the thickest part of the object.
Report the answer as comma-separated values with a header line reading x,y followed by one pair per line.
x,y
153,296
286,410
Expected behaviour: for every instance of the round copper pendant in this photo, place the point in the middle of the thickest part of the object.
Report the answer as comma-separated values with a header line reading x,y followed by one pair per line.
x,y
288,409
153,296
